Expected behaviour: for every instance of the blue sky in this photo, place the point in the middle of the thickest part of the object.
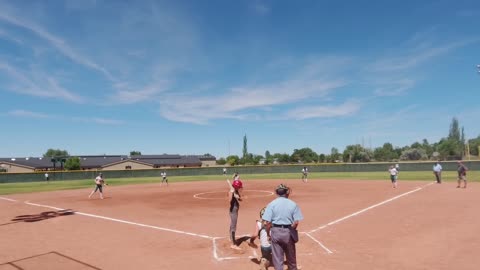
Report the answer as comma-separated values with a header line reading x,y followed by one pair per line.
x,y
193,77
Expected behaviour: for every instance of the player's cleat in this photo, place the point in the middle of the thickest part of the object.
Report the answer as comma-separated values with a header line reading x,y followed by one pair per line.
x,y
264,263
235,247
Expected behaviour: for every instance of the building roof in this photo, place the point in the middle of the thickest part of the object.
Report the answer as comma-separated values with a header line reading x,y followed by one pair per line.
x,y
98,161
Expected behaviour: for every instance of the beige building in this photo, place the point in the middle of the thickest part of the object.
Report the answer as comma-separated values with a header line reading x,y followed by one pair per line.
x,y
127,165
15,168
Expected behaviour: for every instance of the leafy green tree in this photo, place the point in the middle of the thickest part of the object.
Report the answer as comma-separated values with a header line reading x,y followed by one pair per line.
x,y
57,156
268,158
245,149
454,132
414,154
53,153
221,161
334,154
233,160
256,159
321,158
72,163
135,153
473,144
455,144
357,153
305,155
282,158
429,149
385,153
448,149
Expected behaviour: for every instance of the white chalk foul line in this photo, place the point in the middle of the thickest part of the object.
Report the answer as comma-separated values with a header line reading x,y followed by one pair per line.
x,y
8,199
319,243
124,221
199,195
369,208
215,253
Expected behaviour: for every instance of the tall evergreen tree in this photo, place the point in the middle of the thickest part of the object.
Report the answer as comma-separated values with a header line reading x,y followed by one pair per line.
x,y
245,150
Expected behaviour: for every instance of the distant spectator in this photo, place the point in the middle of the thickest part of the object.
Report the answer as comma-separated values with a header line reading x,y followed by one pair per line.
x,y
47,177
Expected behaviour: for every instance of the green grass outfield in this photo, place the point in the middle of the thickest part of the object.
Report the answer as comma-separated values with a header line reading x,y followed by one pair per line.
x,y
13,188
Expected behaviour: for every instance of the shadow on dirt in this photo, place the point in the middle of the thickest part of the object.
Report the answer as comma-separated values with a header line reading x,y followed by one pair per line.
x,y
41,216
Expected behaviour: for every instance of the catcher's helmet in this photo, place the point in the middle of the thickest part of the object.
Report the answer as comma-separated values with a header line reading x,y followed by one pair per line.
x,y
262,212
237,184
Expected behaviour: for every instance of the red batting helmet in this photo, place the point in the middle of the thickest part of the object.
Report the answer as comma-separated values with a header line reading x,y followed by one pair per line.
x,y
237,184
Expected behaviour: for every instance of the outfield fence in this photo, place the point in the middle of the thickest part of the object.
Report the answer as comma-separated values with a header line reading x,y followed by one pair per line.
x,y
263,169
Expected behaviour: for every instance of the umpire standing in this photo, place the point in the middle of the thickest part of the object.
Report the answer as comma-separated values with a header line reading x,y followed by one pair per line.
x,y
282,216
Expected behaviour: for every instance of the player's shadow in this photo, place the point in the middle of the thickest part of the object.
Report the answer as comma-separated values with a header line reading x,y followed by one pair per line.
x,y
257,261
242,239
43,216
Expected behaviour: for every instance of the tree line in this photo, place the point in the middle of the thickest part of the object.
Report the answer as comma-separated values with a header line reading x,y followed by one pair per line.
x,y
452,147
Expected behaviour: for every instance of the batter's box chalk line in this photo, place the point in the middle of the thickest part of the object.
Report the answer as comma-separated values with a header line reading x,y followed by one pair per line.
x,y
254,251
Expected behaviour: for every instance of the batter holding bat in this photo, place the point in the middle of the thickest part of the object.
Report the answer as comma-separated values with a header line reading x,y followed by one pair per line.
x,y
99,182
234,196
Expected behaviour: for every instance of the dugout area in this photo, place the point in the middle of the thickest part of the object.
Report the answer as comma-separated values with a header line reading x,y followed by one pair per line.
x,y
348,225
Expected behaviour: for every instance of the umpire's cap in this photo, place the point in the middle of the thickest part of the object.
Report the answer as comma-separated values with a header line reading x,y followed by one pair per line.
x,y
282,190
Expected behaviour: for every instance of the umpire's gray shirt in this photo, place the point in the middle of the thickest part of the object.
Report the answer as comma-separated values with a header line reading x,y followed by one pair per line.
x,y
282,211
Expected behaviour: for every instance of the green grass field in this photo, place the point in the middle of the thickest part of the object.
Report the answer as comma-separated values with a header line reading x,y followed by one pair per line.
x,y
13,188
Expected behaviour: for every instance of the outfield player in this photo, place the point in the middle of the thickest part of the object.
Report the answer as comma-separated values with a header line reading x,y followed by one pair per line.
x,y
304,174
393,175
462,174
99,183
164,178
235,196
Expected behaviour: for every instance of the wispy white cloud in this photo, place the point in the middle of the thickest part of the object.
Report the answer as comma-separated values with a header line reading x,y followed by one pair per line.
x,y
55,41
260,7
37,83
7,36
234,103
80,4
97,120
40,115
413,57
397,72
307,112
28,114
393,87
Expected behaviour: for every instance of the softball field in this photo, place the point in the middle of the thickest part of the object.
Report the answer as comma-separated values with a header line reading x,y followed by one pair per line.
x,y
361,225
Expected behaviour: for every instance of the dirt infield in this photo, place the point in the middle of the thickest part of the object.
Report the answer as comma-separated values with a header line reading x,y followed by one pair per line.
x,y
348,225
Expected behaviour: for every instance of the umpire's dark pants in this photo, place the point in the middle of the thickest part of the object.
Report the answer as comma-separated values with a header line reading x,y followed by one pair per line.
x,y
438,175
282,244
